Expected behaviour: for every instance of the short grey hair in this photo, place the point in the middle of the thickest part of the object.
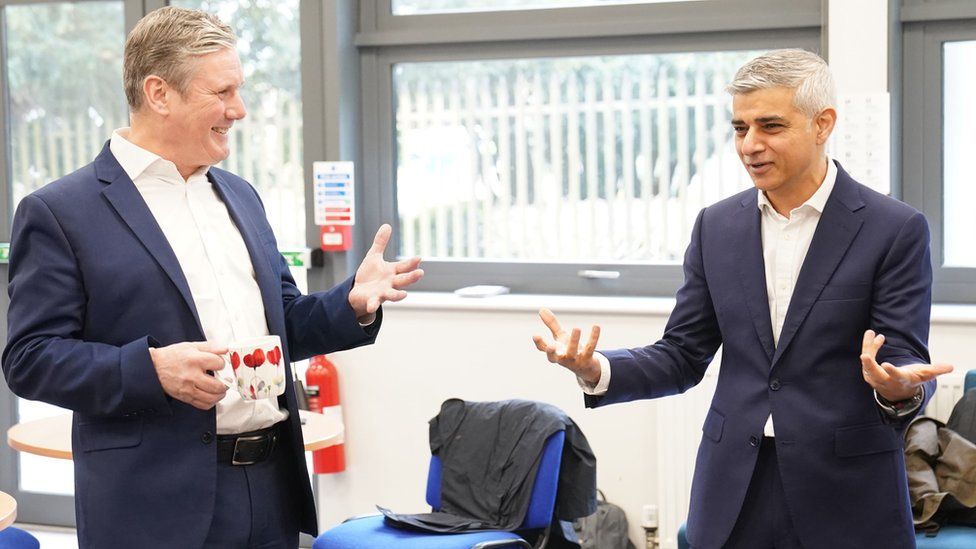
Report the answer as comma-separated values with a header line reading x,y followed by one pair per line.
x,y
803,71
166,43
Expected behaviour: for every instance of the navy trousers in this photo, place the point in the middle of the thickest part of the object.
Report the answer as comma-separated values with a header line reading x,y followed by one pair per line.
x,y
253,509
764,521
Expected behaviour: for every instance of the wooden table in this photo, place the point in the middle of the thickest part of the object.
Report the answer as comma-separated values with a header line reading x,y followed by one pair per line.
x,y
51,436
8,510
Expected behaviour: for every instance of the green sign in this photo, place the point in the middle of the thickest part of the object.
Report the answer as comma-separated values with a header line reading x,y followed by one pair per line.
x,y
297,258
4,252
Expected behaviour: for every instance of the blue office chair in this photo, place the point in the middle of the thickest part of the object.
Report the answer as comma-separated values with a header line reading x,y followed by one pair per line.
x,y
15,538
372,532
952,536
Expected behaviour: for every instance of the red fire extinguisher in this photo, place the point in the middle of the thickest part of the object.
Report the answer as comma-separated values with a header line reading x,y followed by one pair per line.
x,y
322,385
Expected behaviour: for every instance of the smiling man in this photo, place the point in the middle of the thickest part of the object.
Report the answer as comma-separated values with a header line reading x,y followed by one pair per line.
x,y
801,446
129,277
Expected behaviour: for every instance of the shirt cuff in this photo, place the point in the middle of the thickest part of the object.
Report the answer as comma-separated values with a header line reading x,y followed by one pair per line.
x,y
367,320
896,410
600,387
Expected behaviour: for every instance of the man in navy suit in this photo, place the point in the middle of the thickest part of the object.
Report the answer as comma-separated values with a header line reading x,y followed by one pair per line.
x,y
819,291
127,280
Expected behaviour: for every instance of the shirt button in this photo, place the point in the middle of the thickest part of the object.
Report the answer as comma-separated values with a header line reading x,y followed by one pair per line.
x,y
753,441
207,437
774,385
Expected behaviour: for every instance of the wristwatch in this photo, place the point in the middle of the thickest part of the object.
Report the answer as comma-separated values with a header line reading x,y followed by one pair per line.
x,y
901,408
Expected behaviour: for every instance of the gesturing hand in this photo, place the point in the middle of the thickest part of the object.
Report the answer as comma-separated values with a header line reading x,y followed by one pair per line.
x,y
378,280
565,350
891,382
182,369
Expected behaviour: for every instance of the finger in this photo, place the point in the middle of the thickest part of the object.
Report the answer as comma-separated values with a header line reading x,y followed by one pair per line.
x,y
394,295
209,385
591,344
926,372
541,344
381,239
407,265
866,341
209,362
372,304
869,344
406,279
573,347
872,371
209,347
550,321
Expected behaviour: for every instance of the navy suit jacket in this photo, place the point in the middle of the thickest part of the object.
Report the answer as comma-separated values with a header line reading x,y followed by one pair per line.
x,y
93,285
840,459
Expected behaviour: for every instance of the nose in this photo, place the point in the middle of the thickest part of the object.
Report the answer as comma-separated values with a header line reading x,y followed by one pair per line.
x,y
235,108
751,143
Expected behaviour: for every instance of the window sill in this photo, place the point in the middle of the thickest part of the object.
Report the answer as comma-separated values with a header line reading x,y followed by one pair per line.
x,y
942,314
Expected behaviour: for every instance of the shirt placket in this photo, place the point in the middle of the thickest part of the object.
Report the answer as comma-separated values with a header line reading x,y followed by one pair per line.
x,y
217,258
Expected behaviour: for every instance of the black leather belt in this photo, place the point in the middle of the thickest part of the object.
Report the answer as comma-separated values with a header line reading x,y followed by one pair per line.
x,y
247,448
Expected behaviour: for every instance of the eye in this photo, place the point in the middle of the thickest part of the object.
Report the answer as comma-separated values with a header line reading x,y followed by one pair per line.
x,y
739,130
773,126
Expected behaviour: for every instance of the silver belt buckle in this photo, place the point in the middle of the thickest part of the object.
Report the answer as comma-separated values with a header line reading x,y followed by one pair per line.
x,y
252,438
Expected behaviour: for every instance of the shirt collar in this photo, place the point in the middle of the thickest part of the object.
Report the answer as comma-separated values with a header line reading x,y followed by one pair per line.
x,y
136,161
819,199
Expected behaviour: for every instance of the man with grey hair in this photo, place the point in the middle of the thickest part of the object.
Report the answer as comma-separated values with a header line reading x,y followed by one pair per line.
x,y
819,291
128,279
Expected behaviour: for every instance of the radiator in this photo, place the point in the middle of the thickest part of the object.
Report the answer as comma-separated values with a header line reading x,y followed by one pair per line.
x,y
679,421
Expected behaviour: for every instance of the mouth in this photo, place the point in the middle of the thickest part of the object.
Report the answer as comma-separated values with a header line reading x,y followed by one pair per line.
x,y
758,168
221,131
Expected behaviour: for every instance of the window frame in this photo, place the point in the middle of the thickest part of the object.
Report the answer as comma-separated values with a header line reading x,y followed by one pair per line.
x,y
926,25
385,39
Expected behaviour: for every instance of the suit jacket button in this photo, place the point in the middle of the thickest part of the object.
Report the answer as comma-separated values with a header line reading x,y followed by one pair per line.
x,y
753,441
775,385
207,437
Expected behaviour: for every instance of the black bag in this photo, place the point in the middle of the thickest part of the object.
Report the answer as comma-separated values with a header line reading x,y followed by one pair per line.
x,y
605,529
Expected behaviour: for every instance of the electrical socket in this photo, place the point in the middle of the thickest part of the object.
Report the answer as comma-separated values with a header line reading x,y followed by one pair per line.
x,y
649,516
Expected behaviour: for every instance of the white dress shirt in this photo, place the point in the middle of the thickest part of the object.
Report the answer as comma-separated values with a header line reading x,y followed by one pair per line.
x,y
785,242
214,260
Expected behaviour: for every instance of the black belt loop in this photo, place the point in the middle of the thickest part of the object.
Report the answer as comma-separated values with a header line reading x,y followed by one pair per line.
x,y
247,448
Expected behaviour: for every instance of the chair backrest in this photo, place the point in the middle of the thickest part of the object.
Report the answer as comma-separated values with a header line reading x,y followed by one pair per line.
x,y
970,382
542,502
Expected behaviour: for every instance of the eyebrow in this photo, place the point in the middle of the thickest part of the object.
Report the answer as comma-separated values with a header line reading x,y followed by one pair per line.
x,y
762,120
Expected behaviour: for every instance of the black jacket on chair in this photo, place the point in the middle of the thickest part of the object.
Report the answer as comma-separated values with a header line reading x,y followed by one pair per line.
x,y
490,452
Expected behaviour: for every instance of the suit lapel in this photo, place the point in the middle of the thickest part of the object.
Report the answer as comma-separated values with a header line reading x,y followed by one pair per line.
x,y
835,232
746,230
123,196
268,283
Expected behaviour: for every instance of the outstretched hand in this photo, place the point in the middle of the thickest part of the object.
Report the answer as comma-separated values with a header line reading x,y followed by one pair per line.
x,y
892,382
565,349
378,280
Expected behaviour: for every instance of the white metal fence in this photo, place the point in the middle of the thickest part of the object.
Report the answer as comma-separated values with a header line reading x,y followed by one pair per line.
x,y
562,165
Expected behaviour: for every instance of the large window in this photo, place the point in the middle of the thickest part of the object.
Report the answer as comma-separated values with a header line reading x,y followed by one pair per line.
x,y
959,113
525,149
576,159
939,45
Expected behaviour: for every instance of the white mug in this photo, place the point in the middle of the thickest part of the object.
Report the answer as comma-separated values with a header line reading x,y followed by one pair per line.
x,y
255,367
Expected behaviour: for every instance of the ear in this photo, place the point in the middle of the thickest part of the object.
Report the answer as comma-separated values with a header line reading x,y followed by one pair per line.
x,y
824,123
156,94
